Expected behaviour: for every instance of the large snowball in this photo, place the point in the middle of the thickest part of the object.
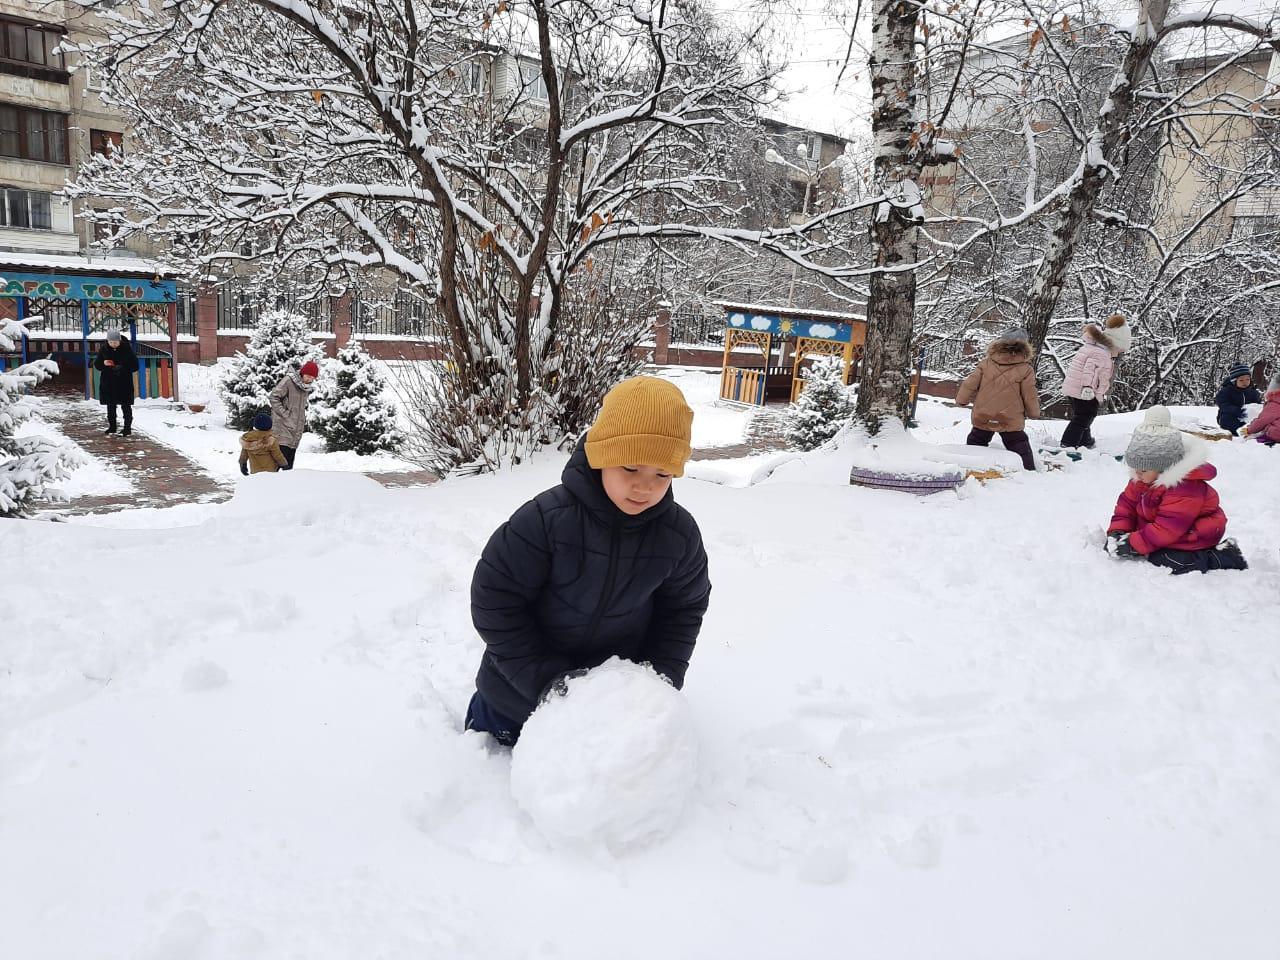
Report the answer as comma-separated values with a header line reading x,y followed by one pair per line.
x,y
611,763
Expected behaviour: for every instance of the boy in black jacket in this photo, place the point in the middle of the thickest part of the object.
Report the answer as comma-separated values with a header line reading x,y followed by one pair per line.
x,y
605,564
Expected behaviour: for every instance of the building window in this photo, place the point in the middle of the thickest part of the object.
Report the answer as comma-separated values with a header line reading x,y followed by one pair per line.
x,y
106,142
31,49
29,209
33,134
533,86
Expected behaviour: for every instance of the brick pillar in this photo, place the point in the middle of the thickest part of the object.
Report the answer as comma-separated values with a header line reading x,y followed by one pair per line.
x,y
662,335
207,322
340,310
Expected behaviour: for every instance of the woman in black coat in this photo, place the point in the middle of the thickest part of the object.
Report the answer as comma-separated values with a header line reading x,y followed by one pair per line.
x,y
117,363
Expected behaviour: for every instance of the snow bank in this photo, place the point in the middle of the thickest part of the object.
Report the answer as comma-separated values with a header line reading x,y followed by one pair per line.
x,y
612,763
309,493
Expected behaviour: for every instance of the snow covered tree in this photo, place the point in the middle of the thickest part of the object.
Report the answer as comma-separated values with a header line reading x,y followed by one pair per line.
x,y
281,343
349,407
28,465
486,153
823,408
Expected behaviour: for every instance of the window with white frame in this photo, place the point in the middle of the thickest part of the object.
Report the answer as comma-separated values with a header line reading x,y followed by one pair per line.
x,y
27,209
534,87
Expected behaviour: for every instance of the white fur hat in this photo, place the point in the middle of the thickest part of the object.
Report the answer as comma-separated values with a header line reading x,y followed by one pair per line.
x,y
1119,333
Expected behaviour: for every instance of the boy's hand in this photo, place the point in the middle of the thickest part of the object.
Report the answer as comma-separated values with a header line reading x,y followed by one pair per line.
x,y
559,687
244,469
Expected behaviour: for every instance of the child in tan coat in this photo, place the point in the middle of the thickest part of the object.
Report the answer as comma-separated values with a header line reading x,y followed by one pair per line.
x,y
1003,392
259,450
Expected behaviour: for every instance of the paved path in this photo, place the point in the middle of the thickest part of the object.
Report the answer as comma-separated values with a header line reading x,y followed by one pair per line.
x,y
163,476
765,434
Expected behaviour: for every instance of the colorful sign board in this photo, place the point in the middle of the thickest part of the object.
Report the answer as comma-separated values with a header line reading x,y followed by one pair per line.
x,y
93,289
790,326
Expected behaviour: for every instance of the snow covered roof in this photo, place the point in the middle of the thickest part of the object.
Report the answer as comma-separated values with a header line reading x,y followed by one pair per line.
x,y
764,308
44,261
777,117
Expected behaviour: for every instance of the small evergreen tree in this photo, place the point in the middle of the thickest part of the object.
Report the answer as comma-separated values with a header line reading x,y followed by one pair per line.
x,y
349,407
281,343
28,465
823,408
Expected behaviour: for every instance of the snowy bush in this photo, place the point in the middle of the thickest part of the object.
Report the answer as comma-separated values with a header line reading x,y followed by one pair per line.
x,y
281,343
28,465
612,762
823,408
349,408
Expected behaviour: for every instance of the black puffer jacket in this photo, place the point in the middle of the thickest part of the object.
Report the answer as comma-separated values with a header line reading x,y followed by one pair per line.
x,y
1231,400
570,581
116,383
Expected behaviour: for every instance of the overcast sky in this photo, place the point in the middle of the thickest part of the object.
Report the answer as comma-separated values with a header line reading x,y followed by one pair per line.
x,y
814,45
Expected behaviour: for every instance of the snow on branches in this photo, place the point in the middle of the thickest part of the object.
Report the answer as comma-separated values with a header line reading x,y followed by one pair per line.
x,y
349,407
29,466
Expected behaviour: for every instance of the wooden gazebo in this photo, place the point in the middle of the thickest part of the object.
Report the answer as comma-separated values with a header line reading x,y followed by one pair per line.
x,y
766,329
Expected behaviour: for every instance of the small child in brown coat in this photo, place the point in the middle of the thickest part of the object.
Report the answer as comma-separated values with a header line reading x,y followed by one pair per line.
x,y
259,450
1003,392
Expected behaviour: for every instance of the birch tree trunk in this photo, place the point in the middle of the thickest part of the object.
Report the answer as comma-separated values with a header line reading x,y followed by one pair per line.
x,y
1106,138
884,387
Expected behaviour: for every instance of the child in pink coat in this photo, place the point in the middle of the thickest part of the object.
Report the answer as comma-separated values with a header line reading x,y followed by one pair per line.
x,y
1089,376
1266,425
1168,514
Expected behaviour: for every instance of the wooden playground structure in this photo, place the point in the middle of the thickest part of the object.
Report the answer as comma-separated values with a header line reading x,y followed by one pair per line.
x,y
797,336
78,309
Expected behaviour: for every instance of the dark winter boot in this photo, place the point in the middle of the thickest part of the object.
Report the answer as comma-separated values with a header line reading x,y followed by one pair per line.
x,y
128,421
111,419
1230,556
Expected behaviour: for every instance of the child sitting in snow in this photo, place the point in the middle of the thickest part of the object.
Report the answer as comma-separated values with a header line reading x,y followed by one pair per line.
x,y
605,564
1003,392
1266,425
1089,376
1236,391
259,450
1168,514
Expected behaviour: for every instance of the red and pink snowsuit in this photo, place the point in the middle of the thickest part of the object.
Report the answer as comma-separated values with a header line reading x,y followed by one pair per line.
x,y
1266,425
1179,511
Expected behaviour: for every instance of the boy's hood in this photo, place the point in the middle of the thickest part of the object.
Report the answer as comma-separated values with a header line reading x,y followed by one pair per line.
x,y
256,440
584,482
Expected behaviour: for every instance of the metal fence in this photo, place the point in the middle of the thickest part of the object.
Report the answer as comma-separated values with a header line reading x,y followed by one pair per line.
x,y
62,318
693,326
239,309
404,316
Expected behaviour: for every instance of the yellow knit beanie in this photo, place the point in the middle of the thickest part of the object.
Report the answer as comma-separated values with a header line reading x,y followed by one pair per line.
x,y
644,420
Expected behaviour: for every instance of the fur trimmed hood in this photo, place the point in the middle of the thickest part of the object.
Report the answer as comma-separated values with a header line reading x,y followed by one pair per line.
x,y
1118,339
1195,460
1009,351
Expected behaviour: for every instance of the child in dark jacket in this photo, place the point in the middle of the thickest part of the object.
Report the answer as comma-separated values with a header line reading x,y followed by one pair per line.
x,y
1236,391
605,564
259,450
1168,514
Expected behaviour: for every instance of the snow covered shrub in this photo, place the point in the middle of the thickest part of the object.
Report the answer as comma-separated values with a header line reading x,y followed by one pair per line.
x,y
349,408
823,408
280,343
28,465
612,762
479,414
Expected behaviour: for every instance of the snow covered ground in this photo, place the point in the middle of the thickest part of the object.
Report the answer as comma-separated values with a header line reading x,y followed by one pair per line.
x,y
948,727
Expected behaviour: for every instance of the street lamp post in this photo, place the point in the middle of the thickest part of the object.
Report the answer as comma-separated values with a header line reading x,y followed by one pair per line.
x,y
772,156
